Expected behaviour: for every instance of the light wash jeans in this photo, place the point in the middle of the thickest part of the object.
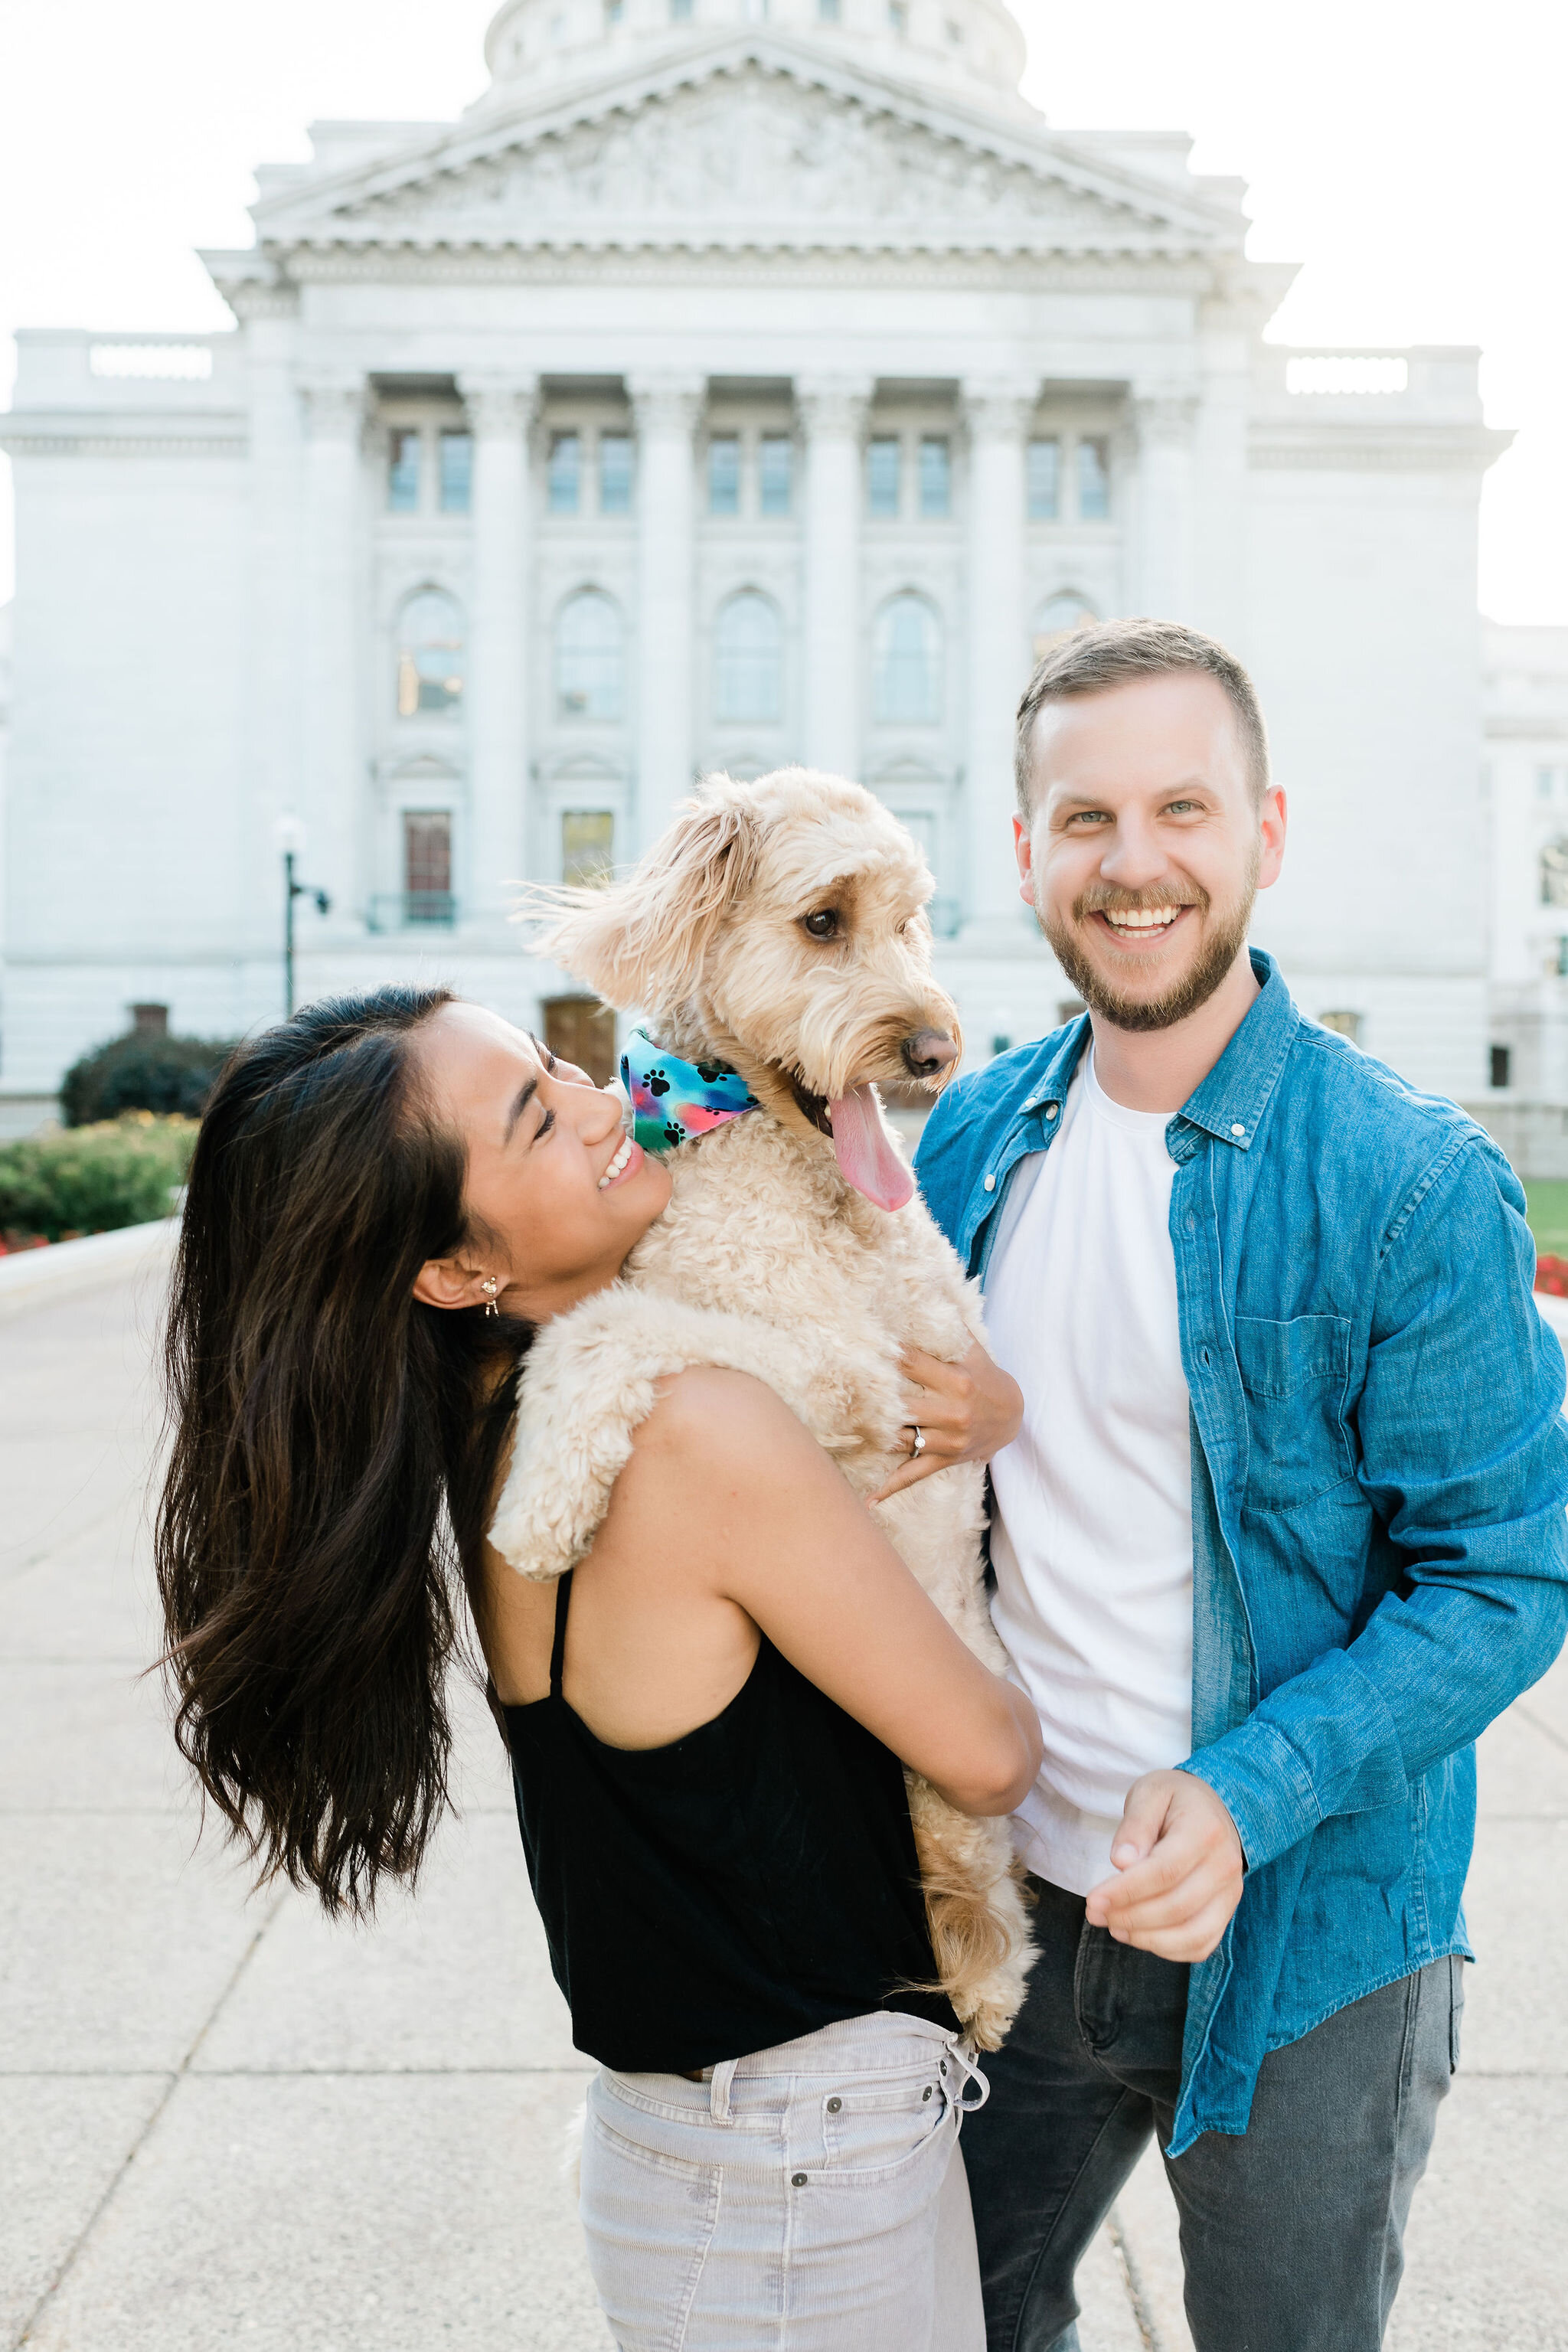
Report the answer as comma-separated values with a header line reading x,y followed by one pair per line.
x,y
809,2197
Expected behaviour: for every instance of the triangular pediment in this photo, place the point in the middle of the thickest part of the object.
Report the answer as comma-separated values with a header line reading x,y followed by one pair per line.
x,y
754,142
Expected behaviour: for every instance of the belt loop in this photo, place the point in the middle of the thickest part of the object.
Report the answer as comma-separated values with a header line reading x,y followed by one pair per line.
x,y
718,2090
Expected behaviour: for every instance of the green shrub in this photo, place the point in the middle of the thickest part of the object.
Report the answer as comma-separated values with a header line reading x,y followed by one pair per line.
x,y
172,1075
91,1180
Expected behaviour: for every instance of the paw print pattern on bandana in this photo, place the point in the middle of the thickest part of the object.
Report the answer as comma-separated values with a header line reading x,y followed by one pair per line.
x,y
673,1101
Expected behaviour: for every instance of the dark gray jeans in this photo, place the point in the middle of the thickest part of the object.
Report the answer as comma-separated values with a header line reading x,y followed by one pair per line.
x,y
1291,2235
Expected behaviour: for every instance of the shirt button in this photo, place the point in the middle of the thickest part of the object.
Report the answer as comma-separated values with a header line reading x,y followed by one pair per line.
x,y
1238,1130
1051,1109
991,1184
926,2093
834,2106
797,2181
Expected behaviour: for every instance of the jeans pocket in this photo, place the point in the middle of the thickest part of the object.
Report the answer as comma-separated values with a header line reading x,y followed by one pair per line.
x,y
870,2133
648,2217
1456,2009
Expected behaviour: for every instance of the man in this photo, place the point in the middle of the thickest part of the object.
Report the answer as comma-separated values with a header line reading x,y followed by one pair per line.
x,y
1282,1532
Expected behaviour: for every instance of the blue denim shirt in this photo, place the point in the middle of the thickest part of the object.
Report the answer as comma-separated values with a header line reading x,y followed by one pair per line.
x,y
1380,1471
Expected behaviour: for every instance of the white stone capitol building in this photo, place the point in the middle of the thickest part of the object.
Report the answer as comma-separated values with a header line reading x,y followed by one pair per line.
x,y
736,381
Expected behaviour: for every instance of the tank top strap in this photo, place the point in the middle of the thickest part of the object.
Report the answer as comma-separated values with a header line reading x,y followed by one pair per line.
x,y
558,1654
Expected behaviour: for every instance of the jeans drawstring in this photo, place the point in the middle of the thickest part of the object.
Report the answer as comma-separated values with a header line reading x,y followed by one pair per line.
x,y
964,2058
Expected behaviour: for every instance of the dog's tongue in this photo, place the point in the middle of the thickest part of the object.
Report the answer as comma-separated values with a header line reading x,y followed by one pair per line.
x,y
866,1157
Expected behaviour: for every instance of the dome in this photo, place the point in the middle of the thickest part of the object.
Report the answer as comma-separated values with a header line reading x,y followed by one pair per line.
x,y
972,50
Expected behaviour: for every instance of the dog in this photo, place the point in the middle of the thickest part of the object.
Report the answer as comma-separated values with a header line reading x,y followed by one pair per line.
x,y
779,926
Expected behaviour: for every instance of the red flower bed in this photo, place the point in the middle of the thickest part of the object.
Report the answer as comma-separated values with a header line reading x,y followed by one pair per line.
x,y
12,1241
1551,1276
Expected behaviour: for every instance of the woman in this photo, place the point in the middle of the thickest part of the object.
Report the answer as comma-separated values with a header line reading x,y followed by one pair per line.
x,y
706,1720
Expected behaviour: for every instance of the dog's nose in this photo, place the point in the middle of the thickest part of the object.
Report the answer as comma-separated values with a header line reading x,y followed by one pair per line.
x,y
927,1053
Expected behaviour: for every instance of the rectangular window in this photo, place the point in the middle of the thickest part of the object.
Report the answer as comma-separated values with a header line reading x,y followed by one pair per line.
x,y
427,865
615,473
828,12
1093,480
883,463
724,474
1344,1024
587,845
936,486
1045,465
775,468
565,472
457,471
1545,782
898,15
402,471
614,11
680,12
1502,1065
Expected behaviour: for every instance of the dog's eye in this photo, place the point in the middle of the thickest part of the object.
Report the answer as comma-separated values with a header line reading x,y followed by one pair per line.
x,y
823,924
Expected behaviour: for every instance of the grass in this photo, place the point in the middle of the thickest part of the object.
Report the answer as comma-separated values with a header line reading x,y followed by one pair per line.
x,y
1546,1202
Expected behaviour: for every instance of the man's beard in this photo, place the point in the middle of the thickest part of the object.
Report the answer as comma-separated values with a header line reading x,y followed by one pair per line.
x,y
1196,985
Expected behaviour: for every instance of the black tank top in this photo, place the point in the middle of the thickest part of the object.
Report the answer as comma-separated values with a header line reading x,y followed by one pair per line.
x,y
747,1884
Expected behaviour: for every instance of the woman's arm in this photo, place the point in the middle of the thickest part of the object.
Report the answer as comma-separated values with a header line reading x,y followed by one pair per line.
x,y
728,1495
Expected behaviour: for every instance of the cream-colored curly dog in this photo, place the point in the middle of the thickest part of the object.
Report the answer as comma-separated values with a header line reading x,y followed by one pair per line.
x,y
779,926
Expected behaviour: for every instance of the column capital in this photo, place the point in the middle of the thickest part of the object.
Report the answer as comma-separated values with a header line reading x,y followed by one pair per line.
x,y
499,402
334,406
1164,413
837,404
667,403
999,408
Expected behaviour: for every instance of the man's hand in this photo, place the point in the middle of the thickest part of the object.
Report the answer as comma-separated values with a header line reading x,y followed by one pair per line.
x,y
966,1411
1181,1868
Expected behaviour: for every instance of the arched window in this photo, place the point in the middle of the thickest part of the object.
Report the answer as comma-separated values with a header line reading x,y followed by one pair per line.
x,y
748,659
1060,616
588,656
429,653
907,657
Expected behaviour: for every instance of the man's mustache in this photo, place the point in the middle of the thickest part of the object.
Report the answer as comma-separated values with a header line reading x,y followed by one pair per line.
x,y
1099,899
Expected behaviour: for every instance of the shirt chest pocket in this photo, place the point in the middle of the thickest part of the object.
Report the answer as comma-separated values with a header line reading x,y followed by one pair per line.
x,y
1294,1376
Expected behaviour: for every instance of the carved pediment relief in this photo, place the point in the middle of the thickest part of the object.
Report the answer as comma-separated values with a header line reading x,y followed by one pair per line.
x,y
751,156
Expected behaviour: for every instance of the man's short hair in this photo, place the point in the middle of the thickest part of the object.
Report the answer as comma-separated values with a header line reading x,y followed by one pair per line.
x,y
1109,653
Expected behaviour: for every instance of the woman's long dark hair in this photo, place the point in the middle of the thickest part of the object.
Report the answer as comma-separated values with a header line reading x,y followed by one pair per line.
x,y
334,1443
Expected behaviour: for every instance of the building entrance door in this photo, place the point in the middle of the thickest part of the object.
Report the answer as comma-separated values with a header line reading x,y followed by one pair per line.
x,y
582,1030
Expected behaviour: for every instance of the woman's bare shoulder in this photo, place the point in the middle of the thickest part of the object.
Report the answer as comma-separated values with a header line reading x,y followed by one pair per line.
x,y
721,1434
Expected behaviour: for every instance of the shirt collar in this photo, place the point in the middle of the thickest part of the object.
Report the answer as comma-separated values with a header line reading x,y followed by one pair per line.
x,y
1229,1103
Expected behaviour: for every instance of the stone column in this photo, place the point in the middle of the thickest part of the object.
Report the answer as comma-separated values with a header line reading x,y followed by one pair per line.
x,y
275,641
1165,416
332,762
666,408
997,417
833,409
501,412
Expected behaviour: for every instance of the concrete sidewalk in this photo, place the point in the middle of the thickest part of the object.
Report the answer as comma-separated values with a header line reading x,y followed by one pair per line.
x,y
226,2121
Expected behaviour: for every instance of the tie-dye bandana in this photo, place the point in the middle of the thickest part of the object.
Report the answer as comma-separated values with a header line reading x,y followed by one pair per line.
x,y
673,1101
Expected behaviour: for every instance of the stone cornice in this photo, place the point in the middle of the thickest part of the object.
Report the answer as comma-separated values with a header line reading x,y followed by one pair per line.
x,y
1514,727
573,262
51,433
1402,445
999,408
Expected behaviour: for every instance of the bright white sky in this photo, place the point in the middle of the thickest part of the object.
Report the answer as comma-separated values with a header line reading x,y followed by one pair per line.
x,y
1408,153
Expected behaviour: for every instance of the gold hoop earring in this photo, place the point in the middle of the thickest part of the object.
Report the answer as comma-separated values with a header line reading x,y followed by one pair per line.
x,y
490,1286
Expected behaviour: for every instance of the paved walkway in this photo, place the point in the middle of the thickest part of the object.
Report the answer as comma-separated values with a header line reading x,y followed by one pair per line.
x,y
223,2121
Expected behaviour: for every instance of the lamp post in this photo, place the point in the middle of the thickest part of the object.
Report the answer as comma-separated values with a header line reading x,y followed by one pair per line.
x,y
292,841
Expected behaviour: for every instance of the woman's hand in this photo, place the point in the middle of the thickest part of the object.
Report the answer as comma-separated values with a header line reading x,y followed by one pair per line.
x,y
966,1412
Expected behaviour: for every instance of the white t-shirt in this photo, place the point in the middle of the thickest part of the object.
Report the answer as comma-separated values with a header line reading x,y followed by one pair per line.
x,y
1092,1536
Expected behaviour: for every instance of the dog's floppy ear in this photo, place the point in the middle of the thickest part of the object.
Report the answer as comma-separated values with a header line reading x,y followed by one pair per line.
x,y
641,941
